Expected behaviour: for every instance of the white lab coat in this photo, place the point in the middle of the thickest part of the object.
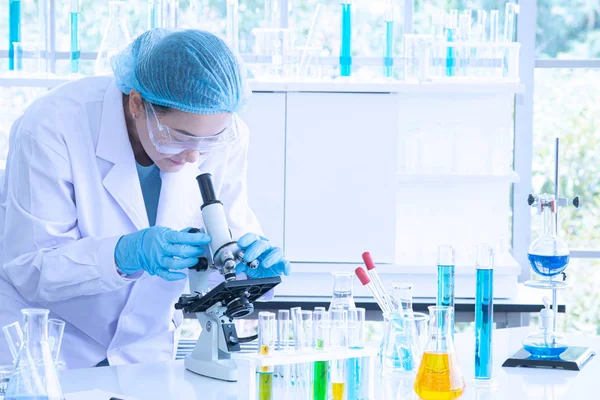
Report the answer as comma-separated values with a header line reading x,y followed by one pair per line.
x,y
70,190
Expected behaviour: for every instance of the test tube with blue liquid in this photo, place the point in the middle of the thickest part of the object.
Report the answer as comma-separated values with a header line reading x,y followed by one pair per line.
x,y
346,39
356,368
451,37
153,14
388,57
74,32
14,30
445,294
484,312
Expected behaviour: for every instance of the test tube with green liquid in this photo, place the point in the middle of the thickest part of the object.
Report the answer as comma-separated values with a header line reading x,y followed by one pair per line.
x,y
266,343
321,368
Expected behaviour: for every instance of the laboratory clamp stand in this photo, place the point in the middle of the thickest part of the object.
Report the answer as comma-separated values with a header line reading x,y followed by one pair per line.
x,y
216,308
549,257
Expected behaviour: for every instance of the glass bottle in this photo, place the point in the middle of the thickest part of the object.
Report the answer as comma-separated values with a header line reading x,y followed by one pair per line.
x,y
548,254
35,375
545,342
439,375
342,291
116,38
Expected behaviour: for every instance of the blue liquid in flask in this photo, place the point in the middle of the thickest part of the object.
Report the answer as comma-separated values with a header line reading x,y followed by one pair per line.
x,y
545,352
548,265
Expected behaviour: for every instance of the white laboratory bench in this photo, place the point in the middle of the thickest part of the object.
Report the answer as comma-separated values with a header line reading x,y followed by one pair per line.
x,y
170,380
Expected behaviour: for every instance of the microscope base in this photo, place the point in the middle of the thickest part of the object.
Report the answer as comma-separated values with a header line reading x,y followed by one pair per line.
x,y
224,370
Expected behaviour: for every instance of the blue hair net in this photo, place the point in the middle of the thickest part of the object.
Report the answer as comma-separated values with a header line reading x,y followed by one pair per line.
x,y
189,70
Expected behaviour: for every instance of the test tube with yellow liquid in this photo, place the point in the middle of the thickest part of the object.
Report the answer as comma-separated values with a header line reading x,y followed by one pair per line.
x,y
439,376
338,339
266,343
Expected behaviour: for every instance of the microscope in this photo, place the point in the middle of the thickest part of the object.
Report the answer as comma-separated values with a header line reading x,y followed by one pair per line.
x,y
216,308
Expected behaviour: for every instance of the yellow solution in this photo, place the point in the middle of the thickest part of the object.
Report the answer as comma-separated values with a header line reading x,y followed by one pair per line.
x,y
337,391
439,378
264,351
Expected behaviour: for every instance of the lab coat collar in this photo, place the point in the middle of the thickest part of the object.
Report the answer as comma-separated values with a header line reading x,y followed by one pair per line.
x,y
122,180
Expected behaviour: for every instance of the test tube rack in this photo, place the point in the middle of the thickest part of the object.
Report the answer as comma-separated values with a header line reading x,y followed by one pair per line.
x,y
248,363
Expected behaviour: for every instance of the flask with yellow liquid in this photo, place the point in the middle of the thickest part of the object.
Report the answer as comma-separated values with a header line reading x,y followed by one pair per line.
x,y
439,376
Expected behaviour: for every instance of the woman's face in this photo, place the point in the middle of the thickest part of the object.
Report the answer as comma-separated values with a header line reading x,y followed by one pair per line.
x,y
189,124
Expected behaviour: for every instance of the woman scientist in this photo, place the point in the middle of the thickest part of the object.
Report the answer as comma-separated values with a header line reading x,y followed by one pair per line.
x,y
99,188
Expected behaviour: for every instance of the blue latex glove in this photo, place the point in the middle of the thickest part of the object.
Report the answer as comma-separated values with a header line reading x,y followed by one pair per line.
x,y
158,250
271,261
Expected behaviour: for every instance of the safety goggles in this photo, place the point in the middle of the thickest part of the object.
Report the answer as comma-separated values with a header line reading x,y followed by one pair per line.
x,y
170,141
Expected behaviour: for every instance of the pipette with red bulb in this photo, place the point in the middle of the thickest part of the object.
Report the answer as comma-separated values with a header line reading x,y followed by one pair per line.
x,y
362,276
377,284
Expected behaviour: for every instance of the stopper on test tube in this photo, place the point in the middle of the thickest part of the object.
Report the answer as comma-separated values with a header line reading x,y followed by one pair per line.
x,y
366,256
362,276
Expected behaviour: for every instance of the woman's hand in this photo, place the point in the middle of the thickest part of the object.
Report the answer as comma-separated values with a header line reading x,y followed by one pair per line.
x,y
270,259
159,251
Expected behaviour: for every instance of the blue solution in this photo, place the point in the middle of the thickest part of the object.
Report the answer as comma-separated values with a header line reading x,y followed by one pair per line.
x,y
548,265
450,57
445,294
354,378
14,30
388,58
545,352
75,52
484,312
152,15
345,51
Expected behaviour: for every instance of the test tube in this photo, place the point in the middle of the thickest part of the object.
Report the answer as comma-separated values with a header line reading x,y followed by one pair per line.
x,y
266,342
496,57
403,296
14,338
346,39
74,32
303,335
338,339
356,366
388,56
283,339
14,30
439,58
233,24
170,13
153,13
464,33
320,368
484,312
445,294
509,21
56,328
451,26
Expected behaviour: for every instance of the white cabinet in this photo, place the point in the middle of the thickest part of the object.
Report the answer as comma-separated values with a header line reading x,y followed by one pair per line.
x,y
341,173
265,116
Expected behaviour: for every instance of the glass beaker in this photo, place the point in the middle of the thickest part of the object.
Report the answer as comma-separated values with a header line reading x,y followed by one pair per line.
x,y
116,38
548,254
439,375
401,348
35,375
342,291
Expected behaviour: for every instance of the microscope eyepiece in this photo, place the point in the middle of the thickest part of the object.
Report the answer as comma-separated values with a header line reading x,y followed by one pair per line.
x,y
207,190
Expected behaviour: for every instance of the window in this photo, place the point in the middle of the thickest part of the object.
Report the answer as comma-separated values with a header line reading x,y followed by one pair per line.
x,y
566,85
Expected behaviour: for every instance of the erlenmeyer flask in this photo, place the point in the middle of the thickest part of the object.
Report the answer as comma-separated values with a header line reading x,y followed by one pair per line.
x,y
401,349
116,38
35,376
342,291
548,254
439,376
